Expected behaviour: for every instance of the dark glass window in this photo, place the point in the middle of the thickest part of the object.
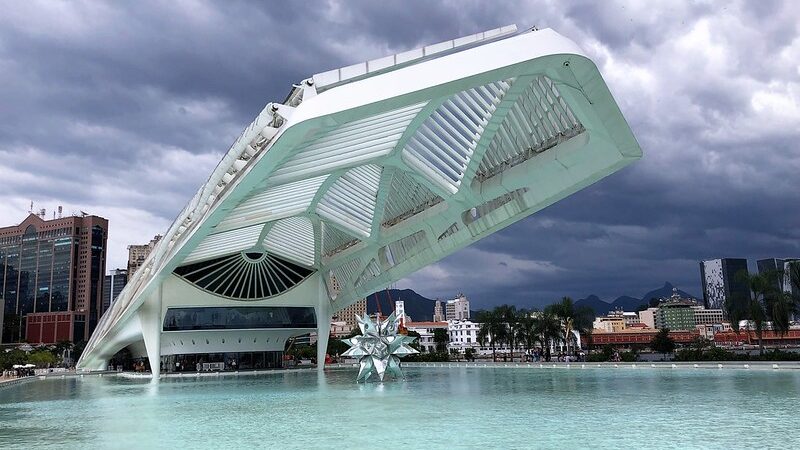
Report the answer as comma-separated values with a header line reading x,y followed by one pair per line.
x,y
27,284
236,318
62,263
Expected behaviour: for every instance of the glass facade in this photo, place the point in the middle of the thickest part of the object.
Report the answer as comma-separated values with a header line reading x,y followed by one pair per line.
x,y
222,361
96,274
39,264
236,318
27,269
62,262
112,286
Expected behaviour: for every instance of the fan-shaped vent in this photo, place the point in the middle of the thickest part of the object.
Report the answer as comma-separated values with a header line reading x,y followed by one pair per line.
x,y
247,275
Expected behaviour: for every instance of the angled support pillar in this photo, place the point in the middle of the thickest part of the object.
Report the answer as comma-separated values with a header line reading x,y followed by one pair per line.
x,y
324,315
150,321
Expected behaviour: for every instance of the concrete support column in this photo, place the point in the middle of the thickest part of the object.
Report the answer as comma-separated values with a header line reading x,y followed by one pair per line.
x,y
324,314
150,320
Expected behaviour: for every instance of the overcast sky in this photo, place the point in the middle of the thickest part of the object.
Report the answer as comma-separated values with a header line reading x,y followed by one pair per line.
x,y
122,109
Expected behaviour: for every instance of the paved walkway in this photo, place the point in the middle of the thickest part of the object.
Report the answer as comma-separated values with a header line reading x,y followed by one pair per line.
x,y
12,381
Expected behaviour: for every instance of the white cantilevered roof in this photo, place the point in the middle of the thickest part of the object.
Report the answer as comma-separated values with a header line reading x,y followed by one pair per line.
x,y
370,172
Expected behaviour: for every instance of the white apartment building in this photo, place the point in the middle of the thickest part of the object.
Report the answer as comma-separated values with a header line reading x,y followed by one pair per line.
x,y
704,316
457,308
425,331
463,335
648,317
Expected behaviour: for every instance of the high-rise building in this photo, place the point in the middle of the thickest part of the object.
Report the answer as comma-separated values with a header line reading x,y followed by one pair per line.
x,y
112,286
137,254
720,282
438,314
789,267
676,314
457,308
772,265
51,278
348,313
780,266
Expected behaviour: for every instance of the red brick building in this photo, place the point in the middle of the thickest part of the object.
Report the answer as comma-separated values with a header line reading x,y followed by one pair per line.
x,y
644,337
51,278
792,337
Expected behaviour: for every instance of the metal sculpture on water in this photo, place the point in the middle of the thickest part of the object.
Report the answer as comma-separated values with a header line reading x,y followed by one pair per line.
x,y
379,347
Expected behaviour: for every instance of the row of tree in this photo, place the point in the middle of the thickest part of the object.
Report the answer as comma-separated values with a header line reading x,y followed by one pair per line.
x,y
766,302
43,356
522,328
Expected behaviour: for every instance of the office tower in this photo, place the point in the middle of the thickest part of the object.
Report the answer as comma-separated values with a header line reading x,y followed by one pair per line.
x,y
113,284
721,284
51,278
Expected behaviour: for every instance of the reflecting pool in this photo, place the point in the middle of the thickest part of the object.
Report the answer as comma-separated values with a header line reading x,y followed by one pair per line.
x,y
433,408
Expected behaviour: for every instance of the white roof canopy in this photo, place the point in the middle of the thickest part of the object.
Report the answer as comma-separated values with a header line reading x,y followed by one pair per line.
x,y
370,172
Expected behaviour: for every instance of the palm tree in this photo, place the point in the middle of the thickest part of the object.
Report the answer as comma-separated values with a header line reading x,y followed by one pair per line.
x,y
792,280
441,338
548,328
510,318
763,303
526,330
492,328
573,319
735,311
781,309
793,274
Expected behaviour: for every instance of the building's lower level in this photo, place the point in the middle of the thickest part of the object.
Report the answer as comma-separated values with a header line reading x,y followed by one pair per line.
x,y
52,327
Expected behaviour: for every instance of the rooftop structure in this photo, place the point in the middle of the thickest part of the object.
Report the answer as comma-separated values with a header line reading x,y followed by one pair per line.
x,y
362,176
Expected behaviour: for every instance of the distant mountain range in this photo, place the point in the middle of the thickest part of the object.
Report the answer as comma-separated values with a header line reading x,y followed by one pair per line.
x,y
628,303
421,308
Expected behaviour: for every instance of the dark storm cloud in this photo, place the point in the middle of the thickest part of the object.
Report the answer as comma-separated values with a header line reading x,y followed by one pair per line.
x,y
124,108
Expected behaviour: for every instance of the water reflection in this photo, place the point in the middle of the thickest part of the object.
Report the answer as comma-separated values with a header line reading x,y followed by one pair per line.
x,y
470,406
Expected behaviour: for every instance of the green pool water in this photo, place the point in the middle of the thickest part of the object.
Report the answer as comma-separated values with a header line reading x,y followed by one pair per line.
x,y
432,408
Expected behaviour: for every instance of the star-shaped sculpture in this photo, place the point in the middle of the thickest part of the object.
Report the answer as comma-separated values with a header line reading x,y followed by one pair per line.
x,y
379,348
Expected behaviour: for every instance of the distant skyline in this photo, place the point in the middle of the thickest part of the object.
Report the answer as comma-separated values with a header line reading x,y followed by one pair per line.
x,y
123,109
